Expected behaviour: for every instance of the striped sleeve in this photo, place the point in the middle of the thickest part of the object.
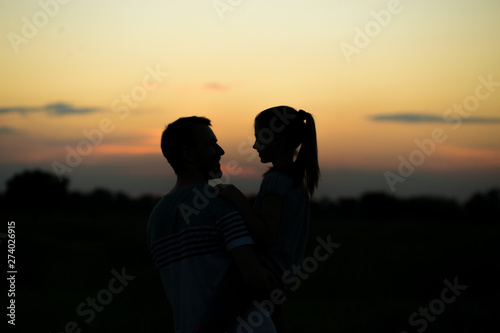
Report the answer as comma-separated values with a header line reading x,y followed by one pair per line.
x,y
233,231
190,242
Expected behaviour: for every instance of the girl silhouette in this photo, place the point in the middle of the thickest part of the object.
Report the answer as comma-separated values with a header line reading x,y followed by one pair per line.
x,y
279,219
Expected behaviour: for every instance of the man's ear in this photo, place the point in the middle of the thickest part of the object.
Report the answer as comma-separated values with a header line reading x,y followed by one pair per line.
x,y
188,154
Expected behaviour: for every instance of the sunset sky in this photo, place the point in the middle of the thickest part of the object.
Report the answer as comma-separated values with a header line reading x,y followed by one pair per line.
x,y
406,94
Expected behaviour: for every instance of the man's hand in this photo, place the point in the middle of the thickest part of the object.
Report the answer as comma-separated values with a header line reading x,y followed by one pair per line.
x,y
253,271
268,282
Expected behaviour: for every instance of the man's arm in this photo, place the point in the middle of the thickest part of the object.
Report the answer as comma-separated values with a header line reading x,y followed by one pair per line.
x,y
245,281
252,270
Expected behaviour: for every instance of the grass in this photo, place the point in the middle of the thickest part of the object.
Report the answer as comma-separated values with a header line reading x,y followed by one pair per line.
x,y
381,274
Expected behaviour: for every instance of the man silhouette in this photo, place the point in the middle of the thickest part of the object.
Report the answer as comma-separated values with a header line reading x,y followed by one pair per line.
x,y
197,239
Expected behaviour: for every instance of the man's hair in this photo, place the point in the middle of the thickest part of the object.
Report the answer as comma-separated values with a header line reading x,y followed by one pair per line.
x,y
177,135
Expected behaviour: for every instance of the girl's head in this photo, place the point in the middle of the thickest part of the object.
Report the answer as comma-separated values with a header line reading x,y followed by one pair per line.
x,y
286,136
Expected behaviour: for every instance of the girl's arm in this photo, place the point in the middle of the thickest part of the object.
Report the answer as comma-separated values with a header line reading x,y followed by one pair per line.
x,y
264,227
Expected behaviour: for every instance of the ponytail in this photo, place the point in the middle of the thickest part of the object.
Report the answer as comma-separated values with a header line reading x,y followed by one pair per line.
x,y
306,163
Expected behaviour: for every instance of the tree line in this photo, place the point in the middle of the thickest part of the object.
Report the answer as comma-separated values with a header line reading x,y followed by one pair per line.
x,y
39,192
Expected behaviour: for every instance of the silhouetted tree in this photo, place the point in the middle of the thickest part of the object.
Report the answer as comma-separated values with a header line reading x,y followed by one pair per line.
x,y
379,206
349,208
100,200
76,202
323,208
484,207
35,191
122,200
146,203
39,192
426,208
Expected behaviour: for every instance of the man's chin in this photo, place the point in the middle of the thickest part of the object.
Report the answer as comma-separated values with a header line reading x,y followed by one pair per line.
x,y
215,174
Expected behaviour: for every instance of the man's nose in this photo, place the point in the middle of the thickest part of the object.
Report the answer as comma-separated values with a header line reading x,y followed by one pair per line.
x,y
221,151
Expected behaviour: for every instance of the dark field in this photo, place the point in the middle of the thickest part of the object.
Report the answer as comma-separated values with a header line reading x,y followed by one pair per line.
x,y
382,273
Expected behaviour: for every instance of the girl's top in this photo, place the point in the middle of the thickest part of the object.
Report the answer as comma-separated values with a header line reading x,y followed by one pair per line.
x,y
288,248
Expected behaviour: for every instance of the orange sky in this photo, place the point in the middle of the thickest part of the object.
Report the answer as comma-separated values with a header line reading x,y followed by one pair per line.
x,y
141,64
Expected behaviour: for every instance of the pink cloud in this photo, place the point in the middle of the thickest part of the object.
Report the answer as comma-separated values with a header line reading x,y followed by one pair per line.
x,y
214,86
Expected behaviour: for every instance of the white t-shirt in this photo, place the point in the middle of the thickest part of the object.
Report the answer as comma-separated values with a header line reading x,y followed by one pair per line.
x,y
190,233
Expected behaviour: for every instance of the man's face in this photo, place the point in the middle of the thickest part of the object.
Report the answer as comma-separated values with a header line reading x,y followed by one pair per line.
x,y
208,152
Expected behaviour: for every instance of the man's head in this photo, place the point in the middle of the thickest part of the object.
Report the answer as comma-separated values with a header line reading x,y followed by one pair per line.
x,y
190,146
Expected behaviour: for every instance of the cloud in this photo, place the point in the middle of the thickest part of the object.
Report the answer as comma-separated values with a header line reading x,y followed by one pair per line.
x,y
57,109
8,130
428,118
214,86
62,108
221,87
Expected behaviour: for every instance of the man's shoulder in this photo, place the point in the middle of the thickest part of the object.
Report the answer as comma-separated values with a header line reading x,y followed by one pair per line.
x,y
189,195
198,201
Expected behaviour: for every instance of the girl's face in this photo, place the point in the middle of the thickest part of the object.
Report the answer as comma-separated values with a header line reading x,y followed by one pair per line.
x,y
266,142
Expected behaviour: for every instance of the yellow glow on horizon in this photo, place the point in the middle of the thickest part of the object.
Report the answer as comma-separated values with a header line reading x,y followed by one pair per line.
x,y
428,58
